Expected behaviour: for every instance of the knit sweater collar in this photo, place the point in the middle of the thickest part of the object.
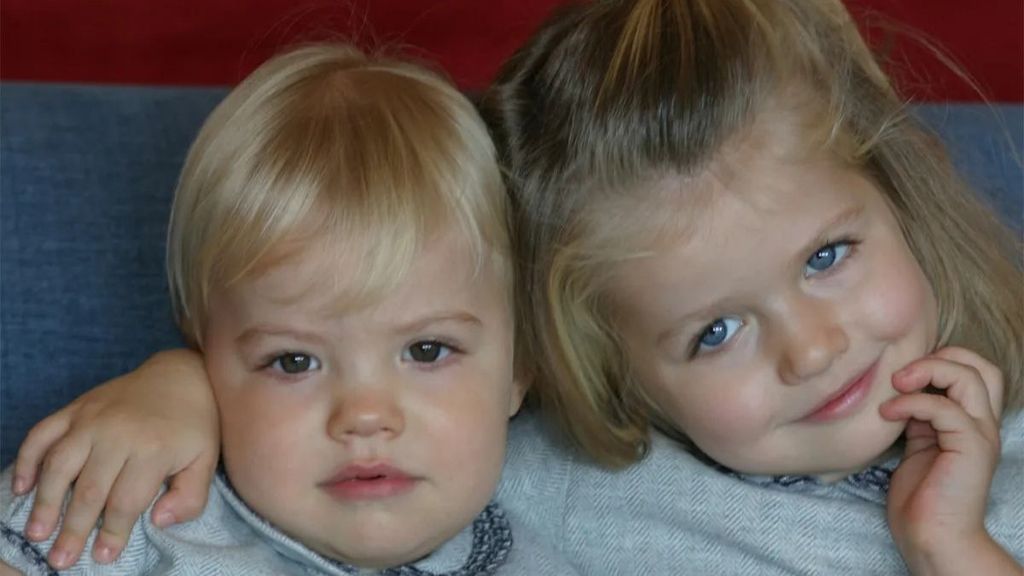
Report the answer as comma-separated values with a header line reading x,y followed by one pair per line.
x,y
480,549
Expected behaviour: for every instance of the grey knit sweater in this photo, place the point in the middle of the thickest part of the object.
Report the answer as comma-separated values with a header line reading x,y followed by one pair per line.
x,y
230,539
671,515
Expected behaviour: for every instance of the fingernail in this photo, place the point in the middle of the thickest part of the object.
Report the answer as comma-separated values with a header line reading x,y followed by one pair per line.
x,y
163,519
20,485
60,558
104,554
35,529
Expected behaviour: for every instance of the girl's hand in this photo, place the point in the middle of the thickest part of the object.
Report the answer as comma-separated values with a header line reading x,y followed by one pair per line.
x,y
939,493
116,444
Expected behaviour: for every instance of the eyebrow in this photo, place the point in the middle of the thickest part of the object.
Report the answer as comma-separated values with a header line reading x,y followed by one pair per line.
x,y
264,331
455,316
849,214
267,331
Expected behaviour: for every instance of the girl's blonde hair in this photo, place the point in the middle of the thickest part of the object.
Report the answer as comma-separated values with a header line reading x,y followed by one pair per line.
x,y
326,144
611,95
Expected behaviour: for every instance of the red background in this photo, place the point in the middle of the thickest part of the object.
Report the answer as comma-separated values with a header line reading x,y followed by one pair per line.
x,y
219,41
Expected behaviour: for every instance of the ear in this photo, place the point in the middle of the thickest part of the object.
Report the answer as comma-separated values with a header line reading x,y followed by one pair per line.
x,y
521,383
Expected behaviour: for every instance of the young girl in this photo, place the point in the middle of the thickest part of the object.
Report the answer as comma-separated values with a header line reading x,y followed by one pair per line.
x,y
737,235
732,232
362,413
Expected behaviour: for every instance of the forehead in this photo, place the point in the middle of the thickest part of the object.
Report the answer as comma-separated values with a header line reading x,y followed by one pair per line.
x,y
329,278
741,221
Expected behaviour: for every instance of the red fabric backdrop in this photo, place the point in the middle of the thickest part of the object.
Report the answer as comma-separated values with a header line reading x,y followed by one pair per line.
x,y
219,41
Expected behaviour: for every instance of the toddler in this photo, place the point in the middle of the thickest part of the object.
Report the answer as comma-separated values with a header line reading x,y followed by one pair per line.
x,y
338,250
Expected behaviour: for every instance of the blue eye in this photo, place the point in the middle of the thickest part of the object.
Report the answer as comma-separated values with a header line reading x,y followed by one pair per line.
x,y
426,352
718,332
295,363
826,257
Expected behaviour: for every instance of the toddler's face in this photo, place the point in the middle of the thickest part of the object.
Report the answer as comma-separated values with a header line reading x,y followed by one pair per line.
x,y
768,331
372,434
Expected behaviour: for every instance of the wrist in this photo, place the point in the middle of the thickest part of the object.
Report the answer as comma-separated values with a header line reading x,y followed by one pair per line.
x,y
974,554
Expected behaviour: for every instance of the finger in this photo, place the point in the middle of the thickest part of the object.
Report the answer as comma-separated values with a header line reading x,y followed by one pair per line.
x,y
963,384
133,491
991,375
60,468
919,436
39,440
87,500
187,495
956,430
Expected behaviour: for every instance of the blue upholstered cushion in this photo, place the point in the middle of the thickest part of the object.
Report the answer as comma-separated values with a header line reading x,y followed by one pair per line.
x,y
86,176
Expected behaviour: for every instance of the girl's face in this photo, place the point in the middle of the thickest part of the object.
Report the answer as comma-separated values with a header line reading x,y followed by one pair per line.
x,y
371,433
769,328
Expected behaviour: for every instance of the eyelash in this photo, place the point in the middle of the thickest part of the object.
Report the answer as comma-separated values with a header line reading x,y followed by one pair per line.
x,y
453,349
695,346
268,362
851,245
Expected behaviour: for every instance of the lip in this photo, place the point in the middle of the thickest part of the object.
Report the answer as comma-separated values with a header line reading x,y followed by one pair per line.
x,y
846,400
369,481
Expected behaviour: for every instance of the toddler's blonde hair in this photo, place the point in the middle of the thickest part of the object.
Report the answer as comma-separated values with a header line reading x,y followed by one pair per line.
x,y
329,145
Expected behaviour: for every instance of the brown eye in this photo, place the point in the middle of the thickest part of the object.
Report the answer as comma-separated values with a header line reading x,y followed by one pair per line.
x,y
295,363
427,351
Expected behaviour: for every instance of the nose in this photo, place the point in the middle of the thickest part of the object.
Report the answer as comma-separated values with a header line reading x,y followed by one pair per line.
x,y
812,338
366,412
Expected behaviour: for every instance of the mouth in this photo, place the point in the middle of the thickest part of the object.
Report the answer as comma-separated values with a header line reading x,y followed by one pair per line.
x,y
376,481
846,400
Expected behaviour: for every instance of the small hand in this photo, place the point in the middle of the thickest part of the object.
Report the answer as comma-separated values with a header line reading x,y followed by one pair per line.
x,y
117,443
939,492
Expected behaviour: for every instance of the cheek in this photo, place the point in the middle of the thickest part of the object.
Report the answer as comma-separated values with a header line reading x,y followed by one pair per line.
x,y
900,301
266,438
466,431
720,413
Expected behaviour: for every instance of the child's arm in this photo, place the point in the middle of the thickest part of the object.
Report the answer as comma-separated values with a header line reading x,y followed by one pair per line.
x,y
938,495
118,443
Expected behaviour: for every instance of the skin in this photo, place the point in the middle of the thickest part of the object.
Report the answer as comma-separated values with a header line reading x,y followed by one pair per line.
x,y
795,335
363,398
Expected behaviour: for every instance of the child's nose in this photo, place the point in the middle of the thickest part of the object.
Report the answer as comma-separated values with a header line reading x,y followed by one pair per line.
x,y
812,340
366,413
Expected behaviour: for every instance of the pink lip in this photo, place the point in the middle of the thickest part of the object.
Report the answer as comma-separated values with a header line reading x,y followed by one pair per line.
x,y
846,400
368,482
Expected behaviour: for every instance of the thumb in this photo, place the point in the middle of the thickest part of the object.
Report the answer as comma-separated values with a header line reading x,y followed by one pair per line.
x,y
919,436
186,495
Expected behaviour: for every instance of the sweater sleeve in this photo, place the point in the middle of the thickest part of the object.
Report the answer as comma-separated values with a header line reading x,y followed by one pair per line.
x,y
138,556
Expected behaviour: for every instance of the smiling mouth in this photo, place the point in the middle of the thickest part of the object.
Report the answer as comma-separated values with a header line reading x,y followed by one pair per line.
x,y
845,401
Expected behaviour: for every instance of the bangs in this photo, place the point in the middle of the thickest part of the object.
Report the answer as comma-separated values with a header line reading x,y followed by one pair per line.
x,y
376,160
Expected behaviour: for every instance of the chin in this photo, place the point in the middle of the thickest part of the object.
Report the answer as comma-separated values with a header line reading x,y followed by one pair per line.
x,y
875,446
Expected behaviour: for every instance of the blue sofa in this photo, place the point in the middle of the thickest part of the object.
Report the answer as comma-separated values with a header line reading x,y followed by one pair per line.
x,y
86,179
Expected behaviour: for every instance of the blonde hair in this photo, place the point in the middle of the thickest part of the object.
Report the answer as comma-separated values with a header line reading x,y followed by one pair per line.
x,y
611,95
326,142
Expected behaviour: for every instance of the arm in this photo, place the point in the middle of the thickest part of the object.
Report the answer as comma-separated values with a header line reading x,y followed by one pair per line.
x,y
939,493
116,444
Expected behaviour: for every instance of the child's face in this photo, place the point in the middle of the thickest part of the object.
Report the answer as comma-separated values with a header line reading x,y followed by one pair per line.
x,y
769,330
372,434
